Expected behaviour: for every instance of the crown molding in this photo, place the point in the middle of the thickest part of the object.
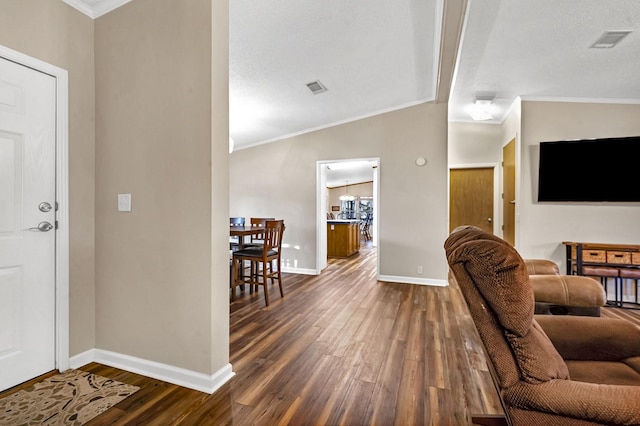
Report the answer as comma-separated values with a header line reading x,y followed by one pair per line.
x,y
94,12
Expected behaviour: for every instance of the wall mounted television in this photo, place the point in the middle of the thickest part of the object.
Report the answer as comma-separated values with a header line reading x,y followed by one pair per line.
x,y
590,170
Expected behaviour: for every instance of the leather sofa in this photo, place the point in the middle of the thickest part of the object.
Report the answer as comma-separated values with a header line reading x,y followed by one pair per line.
x,y
548,369
563,294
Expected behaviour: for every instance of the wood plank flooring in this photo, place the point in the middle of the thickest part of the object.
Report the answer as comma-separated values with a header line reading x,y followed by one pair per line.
x,y
339,349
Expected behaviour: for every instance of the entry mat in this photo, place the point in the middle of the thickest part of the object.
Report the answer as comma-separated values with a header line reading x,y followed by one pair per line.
x,y
70,398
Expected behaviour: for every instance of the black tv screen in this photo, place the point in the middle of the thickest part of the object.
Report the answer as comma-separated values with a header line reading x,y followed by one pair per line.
x,y
590,170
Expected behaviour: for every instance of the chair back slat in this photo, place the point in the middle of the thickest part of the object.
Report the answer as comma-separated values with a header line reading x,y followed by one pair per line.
x,y
274,229
259,222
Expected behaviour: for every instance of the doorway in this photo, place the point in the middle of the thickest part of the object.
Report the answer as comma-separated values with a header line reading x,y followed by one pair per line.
x,y
345,172
34,235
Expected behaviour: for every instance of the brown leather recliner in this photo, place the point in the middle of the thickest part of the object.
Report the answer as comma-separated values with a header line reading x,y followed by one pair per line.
x,y
549,370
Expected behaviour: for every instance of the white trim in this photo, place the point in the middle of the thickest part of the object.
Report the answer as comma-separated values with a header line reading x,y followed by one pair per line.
x,y
413,280
93,12
62,198
321,209
208,383
335,123
83,358
301,271
580,100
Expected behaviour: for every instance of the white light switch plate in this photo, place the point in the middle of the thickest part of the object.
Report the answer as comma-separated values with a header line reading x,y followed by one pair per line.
x,y
124,202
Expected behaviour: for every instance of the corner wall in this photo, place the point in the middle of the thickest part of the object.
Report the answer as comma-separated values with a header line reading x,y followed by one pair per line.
x,y
154,279
279,179
543,226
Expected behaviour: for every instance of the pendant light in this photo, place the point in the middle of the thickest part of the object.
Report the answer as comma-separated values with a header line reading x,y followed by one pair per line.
x,y
347,196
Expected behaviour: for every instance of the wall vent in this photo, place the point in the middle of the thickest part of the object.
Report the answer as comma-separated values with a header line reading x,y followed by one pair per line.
x,y
609,39
316,87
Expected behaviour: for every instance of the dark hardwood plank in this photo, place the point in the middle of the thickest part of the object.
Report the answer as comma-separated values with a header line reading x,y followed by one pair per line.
x,y
338,349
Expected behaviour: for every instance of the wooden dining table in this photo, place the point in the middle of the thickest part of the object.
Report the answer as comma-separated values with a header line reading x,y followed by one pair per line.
x,y
243,231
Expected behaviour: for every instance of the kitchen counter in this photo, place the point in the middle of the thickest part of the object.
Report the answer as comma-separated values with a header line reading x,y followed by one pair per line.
x,y
343,237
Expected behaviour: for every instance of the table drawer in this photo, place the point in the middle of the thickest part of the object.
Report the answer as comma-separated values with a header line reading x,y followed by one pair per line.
x,y
597,256
635,258
621,257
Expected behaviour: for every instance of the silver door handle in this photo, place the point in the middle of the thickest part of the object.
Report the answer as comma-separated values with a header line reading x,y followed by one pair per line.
x,y
489,220
45,207
42,227
512,202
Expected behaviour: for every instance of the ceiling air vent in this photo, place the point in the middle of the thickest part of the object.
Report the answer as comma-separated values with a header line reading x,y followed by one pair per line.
x,y
610,39
316,87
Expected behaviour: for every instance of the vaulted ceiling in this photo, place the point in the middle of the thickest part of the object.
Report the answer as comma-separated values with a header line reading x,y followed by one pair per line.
x,y
375,56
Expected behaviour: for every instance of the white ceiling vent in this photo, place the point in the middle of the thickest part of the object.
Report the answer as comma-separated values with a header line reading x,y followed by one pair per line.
x,y
610,39
316,87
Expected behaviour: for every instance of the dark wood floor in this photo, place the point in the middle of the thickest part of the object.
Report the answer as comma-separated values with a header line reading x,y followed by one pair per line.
x,y
339,348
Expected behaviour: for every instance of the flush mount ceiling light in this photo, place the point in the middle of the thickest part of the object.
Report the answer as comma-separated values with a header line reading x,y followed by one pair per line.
x,y
481,108
610,39
316,87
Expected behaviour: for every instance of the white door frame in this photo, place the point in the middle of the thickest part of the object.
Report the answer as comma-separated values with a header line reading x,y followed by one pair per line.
x,y
321,210
62,198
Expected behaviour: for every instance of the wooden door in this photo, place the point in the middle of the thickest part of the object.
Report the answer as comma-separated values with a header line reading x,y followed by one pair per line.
x,y
27,223
509,192
471,198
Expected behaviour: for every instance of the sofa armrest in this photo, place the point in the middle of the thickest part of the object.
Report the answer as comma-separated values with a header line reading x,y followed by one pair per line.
x,y
591,339
541,267
604,404
568,290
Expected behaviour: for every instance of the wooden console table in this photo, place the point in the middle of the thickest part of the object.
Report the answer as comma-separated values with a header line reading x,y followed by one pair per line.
x,y
624,258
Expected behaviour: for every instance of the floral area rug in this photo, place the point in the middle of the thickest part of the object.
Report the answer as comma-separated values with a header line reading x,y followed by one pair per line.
x,y
70,398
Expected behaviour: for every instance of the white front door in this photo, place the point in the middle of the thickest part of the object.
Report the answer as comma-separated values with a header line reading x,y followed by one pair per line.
x,y
27,244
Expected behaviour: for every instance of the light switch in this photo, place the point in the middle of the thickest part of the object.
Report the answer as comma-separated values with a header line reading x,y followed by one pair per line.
x,y
124,202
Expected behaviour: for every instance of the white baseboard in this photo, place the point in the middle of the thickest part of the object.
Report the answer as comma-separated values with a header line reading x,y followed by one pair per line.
x,y
82,359
302,271
413,280
168,373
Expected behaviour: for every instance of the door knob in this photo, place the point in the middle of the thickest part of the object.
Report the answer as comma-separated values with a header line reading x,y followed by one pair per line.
x,y
489,220
44,207
42,227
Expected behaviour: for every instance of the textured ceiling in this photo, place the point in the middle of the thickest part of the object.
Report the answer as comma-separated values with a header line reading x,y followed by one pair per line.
x,y
376,56
539,50
372,56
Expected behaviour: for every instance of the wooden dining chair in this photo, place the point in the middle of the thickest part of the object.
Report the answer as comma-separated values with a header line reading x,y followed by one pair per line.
x,y
265,261
258,222
234,242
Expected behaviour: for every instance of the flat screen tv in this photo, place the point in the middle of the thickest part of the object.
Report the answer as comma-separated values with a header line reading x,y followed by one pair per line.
x,y
590,170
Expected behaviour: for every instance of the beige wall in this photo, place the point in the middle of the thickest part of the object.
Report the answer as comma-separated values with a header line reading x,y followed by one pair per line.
x,y
279,179
471,143
543,226
58,34
154,279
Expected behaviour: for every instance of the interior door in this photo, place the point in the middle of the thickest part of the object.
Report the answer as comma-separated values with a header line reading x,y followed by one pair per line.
x,y
471,198
27,223
509,192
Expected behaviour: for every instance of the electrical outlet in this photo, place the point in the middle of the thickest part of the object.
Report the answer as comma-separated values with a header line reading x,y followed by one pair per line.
x,y
419,269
